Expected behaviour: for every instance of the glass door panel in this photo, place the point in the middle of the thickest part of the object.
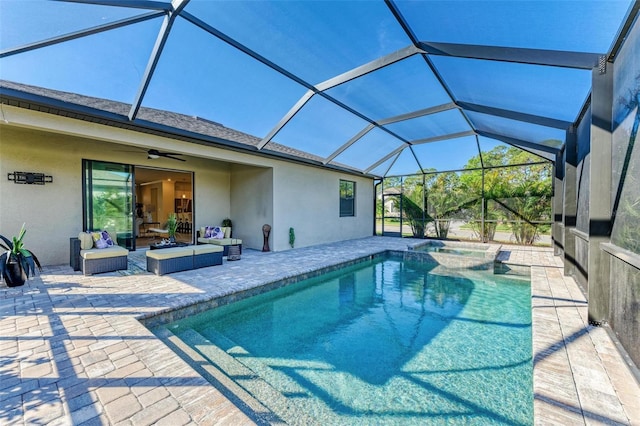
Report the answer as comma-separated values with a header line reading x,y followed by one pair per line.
x,y
108,199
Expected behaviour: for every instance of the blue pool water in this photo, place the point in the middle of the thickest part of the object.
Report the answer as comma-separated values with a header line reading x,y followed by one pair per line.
x,y
382,342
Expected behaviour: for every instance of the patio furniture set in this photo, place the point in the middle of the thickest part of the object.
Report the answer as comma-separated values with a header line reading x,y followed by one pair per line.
x,y
85,255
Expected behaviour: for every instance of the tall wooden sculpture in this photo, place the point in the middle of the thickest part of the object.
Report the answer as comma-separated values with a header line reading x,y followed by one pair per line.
x,y
266,230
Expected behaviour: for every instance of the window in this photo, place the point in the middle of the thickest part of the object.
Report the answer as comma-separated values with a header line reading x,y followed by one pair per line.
x,y
108,199
347,198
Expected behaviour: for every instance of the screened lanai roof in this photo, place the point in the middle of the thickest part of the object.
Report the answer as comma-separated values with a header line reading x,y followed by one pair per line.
x,y
382,88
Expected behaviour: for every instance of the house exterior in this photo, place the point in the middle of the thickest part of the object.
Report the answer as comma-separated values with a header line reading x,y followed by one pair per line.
x,y
228,181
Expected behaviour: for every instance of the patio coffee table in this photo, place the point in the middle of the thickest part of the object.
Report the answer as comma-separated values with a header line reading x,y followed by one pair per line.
x,y
159,246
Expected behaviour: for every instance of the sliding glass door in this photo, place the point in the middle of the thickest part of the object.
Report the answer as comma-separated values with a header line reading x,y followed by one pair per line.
x,y
108,199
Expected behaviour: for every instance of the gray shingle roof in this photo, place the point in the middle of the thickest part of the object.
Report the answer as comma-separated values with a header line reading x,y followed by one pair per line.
x,y
113,113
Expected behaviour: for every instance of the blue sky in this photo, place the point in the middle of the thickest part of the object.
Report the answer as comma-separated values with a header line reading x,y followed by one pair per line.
x,y
200,75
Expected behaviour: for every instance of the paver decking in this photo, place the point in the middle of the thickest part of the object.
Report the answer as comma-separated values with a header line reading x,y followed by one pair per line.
x,y
73,352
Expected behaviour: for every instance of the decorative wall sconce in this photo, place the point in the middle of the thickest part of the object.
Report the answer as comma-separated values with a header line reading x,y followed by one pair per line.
x,y
29,178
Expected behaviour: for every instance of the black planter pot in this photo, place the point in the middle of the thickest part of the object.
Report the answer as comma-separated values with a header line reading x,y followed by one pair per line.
x,y
14,275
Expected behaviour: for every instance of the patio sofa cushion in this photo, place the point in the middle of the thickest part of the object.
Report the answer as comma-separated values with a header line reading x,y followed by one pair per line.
x,y
86,241
224,242
221,241
96,261
207,255
166,261
201,249
111,251
175,259
170,253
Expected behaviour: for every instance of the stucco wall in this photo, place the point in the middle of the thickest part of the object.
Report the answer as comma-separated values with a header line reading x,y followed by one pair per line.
x,y
52,212
294,196
309,202
251,203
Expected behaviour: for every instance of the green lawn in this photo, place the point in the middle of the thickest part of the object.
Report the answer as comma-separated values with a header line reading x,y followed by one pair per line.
x,y
545,229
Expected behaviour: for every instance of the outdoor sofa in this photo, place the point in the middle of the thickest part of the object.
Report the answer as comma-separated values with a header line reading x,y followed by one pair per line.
x,y
86,257
175,259
224,241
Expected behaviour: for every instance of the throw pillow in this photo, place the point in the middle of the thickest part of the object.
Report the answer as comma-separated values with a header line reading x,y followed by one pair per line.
x,y
208,232
227,231
107,238
101,244
97,236
217,233
86,241
99,240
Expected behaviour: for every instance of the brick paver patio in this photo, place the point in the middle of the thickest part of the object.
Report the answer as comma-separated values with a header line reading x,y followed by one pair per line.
x,y
72,350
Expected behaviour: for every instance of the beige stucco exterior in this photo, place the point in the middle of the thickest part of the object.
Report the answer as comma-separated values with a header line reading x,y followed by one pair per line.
x,y
252,190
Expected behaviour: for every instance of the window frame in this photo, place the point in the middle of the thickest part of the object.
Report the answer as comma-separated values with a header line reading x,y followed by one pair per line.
x,y
347,197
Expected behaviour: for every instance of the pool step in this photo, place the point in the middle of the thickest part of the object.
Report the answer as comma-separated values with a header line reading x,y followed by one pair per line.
x,y
242,374
308,410
183,344
512,270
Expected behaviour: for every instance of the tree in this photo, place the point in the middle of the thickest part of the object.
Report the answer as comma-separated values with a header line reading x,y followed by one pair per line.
x,y
521,195
412,205
527,205
443,200
111,208
415,215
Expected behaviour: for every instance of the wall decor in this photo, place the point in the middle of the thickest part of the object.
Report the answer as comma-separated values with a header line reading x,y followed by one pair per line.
x,y
29,178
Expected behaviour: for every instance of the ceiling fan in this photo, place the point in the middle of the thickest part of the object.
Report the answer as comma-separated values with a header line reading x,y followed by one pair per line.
x,y
153,154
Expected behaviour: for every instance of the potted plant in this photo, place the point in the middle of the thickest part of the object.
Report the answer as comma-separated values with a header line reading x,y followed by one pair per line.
x,y
16,263
172,227
226,223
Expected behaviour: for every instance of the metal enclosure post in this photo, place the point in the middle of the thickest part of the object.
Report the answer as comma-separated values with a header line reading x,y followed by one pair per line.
x,y
424,207
375,206
483,204
600,194
569,198
384,209
558,204
401,204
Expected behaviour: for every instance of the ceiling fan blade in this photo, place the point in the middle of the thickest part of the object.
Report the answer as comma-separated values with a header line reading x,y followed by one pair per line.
x,y
161,153
152,154
170,156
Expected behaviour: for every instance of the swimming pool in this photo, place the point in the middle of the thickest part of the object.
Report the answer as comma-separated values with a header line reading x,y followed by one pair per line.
x,y
385,341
